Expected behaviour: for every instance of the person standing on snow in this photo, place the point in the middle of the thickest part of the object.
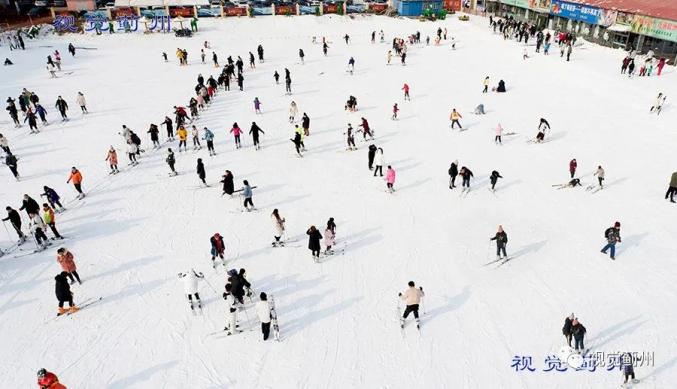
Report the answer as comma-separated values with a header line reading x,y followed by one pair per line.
x,y
132,151
76,177
379,161
80,99
196,138
37,227
278,225
350,138
395,110
228,185
501,239
190,279
254,131
32,121
183,137
247,194
231,314
263,313
613,236
486,85
314,237
370,155
465,174
627,364
499,132
659,103
366,130
236,131
305,124
62,106
209,138
201,171
171,161
217,249
170,130
672,189
66,260
329,239
405,88
390,179
494,178
112,158
566,330
293,111
572,167
454,117
15,219
600,176
50,220
453,172
63,294
412,297
47,380
578,332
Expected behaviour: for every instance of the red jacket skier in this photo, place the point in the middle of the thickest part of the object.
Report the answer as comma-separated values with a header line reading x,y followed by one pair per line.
x,y
47,380
572,167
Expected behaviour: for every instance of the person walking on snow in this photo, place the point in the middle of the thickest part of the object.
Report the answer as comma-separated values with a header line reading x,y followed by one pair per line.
x,y
254,132
501,239
50,220
80,99
329,239
278,227
390,179
293,111
66,260
247,194
263,313
412,297
76,177
201,171
63,294
62,106
453,172
48,380
672,188
171,161
190,279
217,249
566,330
494,178
405,88
600,176
613,236
454,117
572,167
183,137
395,110
499,132
314,238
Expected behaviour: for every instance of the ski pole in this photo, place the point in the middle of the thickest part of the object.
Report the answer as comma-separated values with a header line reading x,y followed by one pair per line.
x,y
249,323
7,229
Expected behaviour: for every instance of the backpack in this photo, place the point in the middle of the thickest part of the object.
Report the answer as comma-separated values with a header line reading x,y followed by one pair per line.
x,y
608,232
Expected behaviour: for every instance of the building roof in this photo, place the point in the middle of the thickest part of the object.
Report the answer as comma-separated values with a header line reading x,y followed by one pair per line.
x,y
663,9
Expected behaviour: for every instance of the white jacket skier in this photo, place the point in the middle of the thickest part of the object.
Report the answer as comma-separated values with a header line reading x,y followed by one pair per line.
x,y
263,311
379,160
190,280
81,100
231,311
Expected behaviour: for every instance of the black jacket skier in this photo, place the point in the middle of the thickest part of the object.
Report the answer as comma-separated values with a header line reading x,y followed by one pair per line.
x,y
314,237
30,205
11,162
501,239
227,181
371,155
14,218
201,171
566,329
170,127
259,50
494,178
62,106
453,172
254,131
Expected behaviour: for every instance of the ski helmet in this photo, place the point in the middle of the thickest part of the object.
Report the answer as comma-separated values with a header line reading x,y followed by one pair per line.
x,y
617,224
42,372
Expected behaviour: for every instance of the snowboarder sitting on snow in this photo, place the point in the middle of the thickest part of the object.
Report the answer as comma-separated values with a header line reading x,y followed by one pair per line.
x,y
190,279
501,239
501,87
64,294
613,236
412,296
218,247
47,380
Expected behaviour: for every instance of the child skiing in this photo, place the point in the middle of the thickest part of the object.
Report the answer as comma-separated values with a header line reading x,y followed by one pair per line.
x,y
63,294
236,131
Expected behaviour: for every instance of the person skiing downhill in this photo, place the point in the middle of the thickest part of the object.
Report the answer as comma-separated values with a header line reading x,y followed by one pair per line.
x,y
182,134
298,141
42,113
236,131
15,219
501,239
257,105
231,313
13,165
499,132
66,260
37,227
351,65
209,138
405,88
247,194
190,280
276,76
543,125
658,105
53,198
278,227
395,110
314,238
63,294
494,178
390,179
196,138
171,161
154,132
82,103
200,169
412,297
50,220
566,329
217,249
453,172
76,177
254,131
263,313
613,236
600,176
48,380
454,117
228,185
350,138
366,130
62,106
170,129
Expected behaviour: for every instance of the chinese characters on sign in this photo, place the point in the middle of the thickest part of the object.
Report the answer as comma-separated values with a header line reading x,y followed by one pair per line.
x,y
590,362
99,23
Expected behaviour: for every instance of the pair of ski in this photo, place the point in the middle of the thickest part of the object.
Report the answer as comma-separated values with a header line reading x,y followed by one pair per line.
x,y
593,188
84,304
403,322
464,192
197,311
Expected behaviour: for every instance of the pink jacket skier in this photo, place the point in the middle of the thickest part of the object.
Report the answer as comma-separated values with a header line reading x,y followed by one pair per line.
x,y
390,178
499,132
237,131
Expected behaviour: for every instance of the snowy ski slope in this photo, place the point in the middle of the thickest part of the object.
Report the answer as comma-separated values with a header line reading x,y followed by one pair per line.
x,y
135,231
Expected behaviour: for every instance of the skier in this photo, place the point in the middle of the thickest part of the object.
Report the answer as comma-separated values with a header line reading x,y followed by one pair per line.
x,y
390,179
501,239
613,236
240,81
329,237
278,225
247,194
4,144
465,174
254,131
50,220
65,259
395,110
314,237
366,130
13,112
305,124
228,185
263,313
486,85
80,99
209,138
566,330
112,158
379,161
499,132
48,380
600,176
71,49
454,117
370,155
405,88
659,103
15,219
42,112
672,188
201,171
412,297
572,167
215,59
287,85
403,58
183,136
12,164
32,121
259,51
62,106
543,125
196,138
76,177
453,172
171,161
217,249
276,76
170,130
578,332
257,105
37,227
53,198
494,178
389,56
30,205
236,131
231,314
350,138
293,111
190,279
325,46
64,294
132,150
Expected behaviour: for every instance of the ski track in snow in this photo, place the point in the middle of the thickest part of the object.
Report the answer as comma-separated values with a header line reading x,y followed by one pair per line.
x,y
136,230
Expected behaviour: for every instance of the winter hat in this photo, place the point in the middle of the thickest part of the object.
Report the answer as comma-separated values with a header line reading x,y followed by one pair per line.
x,y
411,283
263,296
617,224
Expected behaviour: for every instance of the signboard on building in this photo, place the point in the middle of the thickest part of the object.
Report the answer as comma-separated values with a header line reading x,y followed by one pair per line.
x,y
540,5
575,11
517,3
655,28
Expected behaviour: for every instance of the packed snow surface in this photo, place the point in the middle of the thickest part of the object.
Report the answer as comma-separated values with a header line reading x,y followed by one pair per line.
x,y
136,230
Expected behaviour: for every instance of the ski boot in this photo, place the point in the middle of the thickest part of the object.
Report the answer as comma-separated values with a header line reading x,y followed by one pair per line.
x,y
73,309
62,310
